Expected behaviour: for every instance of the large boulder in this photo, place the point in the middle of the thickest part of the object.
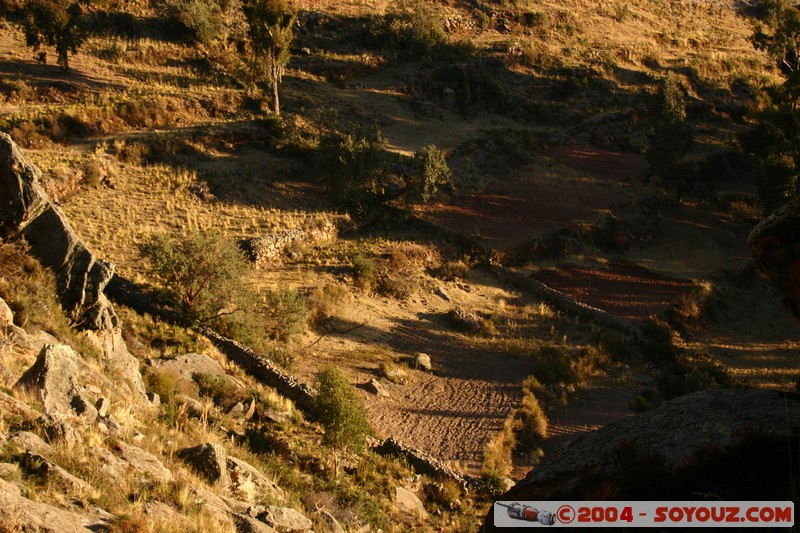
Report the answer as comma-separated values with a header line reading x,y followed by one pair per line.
x,y
209,460
28,211
727,444
53,378
18,513
776,249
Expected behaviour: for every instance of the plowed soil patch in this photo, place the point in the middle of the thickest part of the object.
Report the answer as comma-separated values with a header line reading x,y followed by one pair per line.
x,y
600,163
454,412
626,290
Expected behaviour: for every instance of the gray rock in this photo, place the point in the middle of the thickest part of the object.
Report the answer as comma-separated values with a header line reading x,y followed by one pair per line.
x,y
102,405
121,362
194,407
210,460
408,501
700,439
145,462
25,441
6,316
248,524
285,519
332,525
27,209
21,514
188,365
423,362
251,410
38,465
154,399
57,429
242,474
375,387
164,515
9,470
112,467
54,380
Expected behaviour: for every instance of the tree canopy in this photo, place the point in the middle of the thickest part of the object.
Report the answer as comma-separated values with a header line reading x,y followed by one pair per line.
x,y
54,23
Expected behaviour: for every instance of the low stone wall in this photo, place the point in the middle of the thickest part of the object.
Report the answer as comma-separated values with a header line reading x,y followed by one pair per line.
x,y
265,249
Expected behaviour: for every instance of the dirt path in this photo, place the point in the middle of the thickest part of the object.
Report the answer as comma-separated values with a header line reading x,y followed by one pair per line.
x,y
454,412
589,409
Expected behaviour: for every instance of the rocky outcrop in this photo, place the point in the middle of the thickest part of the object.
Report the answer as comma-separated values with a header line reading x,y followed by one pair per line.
x,y
209,460
53,378
727,444
18,513
27,210
285,519
410,503
777,252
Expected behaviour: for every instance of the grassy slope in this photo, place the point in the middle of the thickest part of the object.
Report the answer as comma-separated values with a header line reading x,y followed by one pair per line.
x,y
581,70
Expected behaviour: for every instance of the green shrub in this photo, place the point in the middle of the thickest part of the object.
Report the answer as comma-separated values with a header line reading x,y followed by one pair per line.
x,y
162,382
648,399
430,172
364,271
340,411
285,312
194,19
553,366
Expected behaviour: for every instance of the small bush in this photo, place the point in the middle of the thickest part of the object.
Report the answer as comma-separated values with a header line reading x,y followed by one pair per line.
x,y
430,173
322,302
553,367
162,382
364,272
285,313
193,19
453,270
648,399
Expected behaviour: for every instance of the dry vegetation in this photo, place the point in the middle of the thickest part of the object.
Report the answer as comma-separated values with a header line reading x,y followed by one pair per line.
x,y
149,134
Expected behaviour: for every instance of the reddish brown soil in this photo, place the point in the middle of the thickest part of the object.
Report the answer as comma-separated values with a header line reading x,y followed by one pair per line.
x,y
626,290
533,201
600,163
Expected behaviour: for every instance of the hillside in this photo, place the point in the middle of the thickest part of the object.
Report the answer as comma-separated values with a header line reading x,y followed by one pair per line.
x,y
556,281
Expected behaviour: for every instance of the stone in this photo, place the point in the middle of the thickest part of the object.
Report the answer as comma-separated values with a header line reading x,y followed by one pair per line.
x,y
40,466
408,501
248,524
465,321
112,467
102,405
25,441
707,439
21,514
285,519
194,407
188,365
423,362
154,399
122,363
6,316
54,380
375,387
9,470
162,514
251,409
145,462
237,410
27,209
330,522
242,473
210,460
57,429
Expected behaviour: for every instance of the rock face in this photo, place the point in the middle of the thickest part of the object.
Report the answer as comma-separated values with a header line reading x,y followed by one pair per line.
x,y
54,380
777,252
21,514
729,444
27,210
409,502
285,519
210,460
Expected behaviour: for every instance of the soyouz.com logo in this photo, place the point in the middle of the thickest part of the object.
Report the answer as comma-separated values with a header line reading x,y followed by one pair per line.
x,y
643,514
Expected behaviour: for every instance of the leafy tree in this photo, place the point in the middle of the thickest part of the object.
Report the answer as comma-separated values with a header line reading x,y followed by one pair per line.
x,y
670,136
780,39
430,172
54,23
271,35
201,271
351,169
198,20
341,412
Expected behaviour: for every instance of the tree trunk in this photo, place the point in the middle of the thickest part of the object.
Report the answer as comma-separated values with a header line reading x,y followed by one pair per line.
x,y
276,104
